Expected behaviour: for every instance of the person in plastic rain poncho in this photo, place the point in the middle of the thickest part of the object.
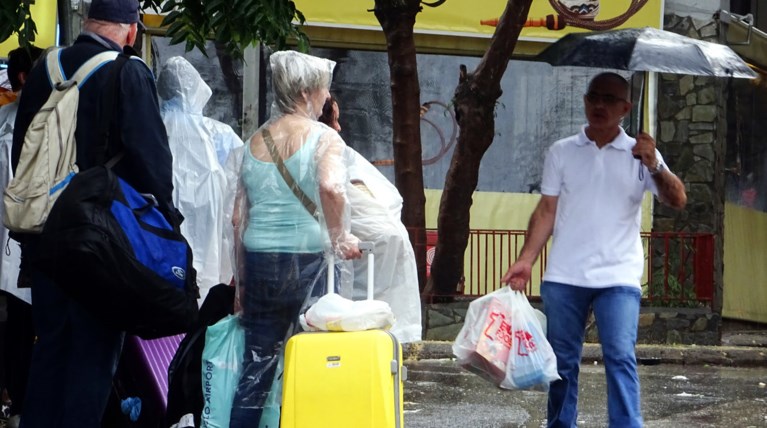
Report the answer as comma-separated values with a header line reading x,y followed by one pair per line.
x,y
281,261
19,336
376,206
199,180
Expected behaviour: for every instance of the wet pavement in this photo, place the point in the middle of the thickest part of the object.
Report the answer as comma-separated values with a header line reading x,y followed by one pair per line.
x,y
439,393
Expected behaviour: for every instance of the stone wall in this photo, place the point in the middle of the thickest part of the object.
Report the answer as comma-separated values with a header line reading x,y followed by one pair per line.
x,y
692,136
683,326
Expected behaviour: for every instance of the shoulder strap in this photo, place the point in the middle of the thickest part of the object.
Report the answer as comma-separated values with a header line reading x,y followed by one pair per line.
x,y
52,63
89,67
310,206
56,74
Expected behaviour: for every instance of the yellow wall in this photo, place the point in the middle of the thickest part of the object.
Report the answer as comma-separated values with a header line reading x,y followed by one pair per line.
x,y
44,14
745,264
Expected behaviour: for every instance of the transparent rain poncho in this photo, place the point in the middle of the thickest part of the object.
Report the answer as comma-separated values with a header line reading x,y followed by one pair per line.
x,y
376,206
282,248
199,181
11,255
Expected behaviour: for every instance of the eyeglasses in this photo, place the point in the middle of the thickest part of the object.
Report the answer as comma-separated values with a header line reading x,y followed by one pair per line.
x,y
594,98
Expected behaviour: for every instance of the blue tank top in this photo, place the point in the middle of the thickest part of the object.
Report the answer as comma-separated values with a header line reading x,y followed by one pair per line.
x,y
277,221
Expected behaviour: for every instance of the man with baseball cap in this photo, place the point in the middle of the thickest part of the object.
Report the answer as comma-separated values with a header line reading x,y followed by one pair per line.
x,y
76,354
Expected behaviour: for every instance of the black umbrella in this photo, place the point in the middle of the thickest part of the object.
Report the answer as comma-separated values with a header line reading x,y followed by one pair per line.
x,y
646,49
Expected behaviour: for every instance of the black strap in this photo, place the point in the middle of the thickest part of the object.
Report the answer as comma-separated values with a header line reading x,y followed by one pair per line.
x,y
104,136
310,206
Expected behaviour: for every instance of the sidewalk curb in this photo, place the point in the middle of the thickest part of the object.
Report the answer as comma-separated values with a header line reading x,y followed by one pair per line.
x,y
739,356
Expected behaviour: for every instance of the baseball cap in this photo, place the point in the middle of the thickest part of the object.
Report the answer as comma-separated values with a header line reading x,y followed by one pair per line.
x,y
122,11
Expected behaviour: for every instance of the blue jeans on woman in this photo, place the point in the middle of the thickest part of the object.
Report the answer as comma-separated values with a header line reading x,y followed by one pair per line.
x,y
277,286
616,310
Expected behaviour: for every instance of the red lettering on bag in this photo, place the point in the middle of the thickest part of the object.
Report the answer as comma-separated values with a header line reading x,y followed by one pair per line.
x,y
498,329
525,343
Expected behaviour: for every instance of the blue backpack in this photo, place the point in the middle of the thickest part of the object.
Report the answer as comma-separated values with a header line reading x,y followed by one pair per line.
x,y
111,249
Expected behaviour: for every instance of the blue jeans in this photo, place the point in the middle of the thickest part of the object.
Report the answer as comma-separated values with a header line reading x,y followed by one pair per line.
x,y
73,362
277,286
616,310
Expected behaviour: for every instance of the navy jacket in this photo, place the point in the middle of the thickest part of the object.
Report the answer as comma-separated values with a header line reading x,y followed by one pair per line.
x,y
147,164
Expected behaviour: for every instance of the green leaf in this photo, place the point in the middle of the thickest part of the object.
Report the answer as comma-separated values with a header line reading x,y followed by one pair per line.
x,y
235,23
169,6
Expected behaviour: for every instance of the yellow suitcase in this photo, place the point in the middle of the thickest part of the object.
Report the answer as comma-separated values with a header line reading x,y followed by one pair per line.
x,y
343,379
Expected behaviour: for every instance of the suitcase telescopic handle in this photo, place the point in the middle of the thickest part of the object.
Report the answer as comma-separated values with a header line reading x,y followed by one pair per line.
x,y
366,248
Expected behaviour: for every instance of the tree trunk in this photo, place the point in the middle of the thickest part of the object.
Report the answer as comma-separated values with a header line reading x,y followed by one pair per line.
x,y
475,100
397,19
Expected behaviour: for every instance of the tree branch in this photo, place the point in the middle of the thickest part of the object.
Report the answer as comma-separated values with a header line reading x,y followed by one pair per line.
x,y
493,64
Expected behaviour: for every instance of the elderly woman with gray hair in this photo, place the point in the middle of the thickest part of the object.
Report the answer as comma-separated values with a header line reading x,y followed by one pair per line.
x,y
291,211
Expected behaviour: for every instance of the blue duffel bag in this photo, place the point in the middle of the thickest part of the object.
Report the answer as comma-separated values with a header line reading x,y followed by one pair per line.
x,y
113,251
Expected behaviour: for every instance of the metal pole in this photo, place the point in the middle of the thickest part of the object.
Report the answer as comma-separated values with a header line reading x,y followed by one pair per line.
x,y
71,14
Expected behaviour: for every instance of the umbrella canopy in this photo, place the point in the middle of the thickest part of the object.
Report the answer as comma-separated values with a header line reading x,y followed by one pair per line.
x,y
646,49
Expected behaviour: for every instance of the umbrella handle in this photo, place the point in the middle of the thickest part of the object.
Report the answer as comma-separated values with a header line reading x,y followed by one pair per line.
x,y
640,104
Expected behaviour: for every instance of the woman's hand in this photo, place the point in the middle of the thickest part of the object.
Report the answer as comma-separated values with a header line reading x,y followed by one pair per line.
x,y
348,248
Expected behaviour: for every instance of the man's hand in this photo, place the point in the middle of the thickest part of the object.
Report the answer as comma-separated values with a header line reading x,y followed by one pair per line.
x,y
644,150
518,275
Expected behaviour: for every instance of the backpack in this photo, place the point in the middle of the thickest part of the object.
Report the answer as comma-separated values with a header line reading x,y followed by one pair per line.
x,y
112,250
48,156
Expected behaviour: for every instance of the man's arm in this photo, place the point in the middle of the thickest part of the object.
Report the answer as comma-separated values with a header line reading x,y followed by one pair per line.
x,y
539,229
670,189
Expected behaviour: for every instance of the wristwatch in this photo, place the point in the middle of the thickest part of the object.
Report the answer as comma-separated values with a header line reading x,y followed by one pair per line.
x,y
659,167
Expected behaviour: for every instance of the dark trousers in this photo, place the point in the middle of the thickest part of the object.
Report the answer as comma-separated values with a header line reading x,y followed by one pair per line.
x,y
18,339
277,287
73,362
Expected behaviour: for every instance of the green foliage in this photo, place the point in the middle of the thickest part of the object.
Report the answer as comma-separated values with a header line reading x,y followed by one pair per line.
x,y
236,24
677,288
678,294
15,17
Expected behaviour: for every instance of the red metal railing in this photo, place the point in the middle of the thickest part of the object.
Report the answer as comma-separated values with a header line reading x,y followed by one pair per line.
x,y
679,266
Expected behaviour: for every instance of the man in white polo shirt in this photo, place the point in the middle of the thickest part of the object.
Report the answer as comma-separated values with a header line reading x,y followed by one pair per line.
x,y
591,204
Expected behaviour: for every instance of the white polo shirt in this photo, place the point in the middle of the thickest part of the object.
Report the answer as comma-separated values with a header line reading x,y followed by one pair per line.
x,y
596,240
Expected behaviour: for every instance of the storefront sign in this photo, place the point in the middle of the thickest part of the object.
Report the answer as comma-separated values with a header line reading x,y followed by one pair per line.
x,y
548,19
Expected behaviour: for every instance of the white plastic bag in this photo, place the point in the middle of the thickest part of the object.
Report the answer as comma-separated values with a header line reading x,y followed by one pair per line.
x,y
484,342
335,313
502,340
531,363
